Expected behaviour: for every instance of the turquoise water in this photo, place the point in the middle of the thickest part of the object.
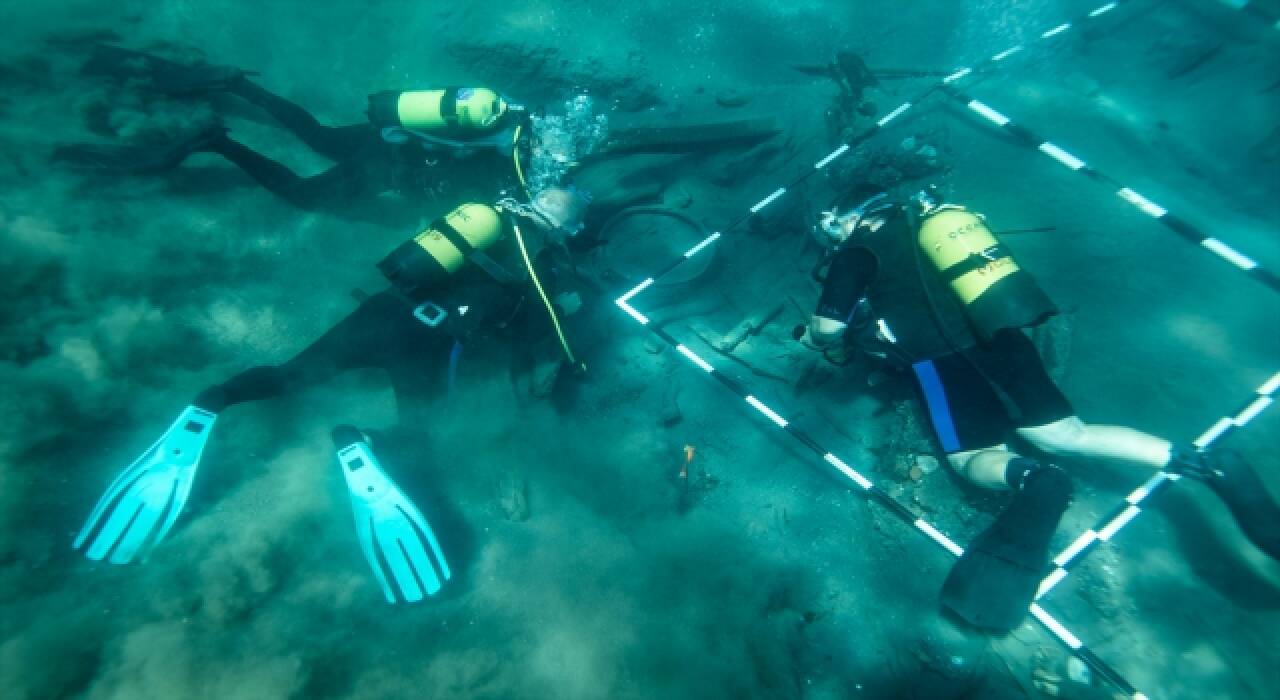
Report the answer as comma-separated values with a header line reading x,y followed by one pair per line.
x,y
584,565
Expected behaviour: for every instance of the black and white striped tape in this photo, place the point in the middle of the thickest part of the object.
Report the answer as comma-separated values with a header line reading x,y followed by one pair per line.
x,y
1050,33
1263,397
1063,157
1123,514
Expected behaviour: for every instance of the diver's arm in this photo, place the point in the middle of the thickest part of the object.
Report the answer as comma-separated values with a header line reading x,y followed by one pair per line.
x,y
850,274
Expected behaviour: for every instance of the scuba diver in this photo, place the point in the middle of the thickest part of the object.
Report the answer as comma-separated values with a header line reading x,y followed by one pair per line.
x,y
407,146
473,274
448,144
927,287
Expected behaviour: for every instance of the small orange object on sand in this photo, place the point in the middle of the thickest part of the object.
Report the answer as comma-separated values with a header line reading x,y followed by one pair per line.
x,y
689,452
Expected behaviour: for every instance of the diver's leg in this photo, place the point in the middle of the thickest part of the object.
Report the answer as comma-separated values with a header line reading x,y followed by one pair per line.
x,y
347,186
1072,437
998,574
199,78
141,505
984,468
1045,417
336,142
362,339
1051,425
272,175
1227,473
968,420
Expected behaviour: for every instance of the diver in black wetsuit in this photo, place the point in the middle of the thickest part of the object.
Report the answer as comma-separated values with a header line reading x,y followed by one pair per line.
x,y
928,288
471,274
409,328
408,145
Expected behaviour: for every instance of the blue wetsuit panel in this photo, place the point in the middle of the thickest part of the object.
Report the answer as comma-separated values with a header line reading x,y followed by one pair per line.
x,y
939,410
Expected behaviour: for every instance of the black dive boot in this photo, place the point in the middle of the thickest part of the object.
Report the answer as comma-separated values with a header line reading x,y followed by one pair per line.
x,y
1240,488
997,577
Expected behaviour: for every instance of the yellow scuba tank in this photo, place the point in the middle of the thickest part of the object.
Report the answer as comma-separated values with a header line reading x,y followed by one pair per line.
x,y
422,263
964,250
454,110
994,291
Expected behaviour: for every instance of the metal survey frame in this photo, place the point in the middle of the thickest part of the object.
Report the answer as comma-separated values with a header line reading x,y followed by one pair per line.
x,y
872,492
1108,526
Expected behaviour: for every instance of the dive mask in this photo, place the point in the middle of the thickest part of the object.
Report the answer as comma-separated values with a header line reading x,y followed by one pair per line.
x,y
835,228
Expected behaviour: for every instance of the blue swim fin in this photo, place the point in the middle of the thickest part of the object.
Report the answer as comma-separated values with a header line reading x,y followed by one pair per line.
x,y
141,505
396,539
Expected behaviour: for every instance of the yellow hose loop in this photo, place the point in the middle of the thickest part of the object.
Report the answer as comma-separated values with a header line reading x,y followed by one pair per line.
x,y
555,321
515,158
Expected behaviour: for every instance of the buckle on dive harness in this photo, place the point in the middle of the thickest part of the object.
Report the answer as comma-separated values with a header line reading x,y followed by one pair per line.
x,y
394,135
430,313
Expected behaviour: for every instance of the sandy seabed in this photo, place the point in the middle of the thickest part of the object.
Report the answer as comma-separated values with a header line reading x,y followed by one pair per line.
x,y
585,567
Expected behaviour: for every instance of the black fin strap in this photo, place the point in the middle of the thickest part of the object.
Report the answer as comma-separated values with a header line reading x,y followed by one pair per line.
x,y
457,239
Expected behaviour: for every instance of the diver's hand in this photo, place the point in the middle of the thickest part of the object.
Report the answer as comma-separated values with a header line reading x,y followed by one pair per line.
x,y
802,334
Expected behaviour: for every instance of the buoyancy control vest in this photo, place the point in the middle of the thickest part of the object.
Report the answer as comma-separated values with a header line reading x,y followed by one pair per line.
x,y
898,297
432,267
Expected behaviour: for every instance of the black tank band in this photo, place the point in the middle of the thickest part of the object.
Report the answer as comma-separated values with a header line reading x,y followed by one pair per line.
x,y
975,261
412,271
457,239
449,105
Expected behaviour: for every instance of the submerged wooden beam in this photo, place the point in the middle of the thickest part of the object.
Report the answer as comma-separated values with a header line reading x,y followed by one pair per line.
x,y
686,139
